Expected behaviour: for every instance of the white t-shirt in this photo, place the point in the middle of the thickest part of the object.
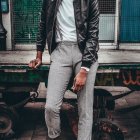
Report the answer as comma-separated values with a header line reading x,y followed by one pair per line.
x,y
65,25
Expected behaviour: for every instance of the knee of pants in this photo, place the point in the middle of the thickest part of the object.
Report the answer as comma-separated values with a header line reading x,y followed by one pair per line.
x,y
52,108
85,113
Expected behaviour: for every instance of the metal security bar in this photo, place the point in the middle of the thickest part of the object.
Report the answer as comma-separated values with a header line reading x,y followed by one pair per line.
x,y
26,15
107,6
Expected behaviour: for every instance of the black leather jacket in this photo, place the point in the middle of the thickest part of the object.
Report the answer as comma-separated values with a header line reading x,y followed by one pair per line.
x,y
87,27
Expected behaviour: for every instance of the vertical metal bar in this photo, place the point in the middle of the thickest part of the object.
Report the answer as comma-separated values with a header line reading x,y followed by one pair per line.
x,y
12,24
0,13
117,24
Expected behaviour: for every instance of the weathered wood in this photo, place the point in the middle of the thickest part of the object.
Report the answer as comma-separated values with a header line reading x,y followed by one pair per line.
x,y
33,125
129,122
21,57
119,56
40,131
129,125
121,103
105,56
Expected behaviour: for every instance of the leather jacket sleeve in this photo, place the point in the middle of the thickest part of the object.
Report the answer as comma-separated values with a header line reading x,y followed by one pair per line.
x,y
91,48
41,36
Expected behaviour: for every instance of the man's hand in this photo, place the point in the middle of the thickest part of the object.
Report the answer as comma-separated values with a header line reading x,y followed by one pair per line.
x,y
80,80
35,63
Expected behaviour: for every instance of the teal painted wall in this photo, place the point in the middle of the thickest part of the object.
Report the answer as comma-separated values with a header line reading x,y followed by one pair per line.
x,y
130,21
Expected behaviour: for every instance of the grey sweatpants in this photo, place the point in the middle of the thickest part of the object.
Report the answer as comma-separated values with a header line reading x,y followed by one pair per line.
x,y
65,60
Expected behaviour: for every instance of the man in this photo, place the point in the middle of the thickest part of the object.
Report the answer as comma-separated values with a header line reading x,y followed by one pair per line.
x,y
70,28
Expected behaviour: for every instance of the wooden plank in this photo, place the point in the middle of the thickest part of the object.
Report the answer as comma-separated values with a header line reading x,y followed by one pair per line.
x,y
27,135
33,124
105,57
27,127
119,56
128,122
134,95
40,131
121,103
129,125
21,57
32,116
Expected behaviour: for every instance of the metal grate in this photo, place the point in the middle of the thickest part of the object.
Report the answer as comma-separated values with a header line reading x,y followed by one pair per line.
x,y
107,6
26,15
107,20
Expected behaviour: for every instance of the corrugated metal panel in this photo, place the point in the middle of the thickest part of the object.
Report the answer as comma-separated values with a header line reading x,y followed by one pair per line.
x,y
26,15
130,21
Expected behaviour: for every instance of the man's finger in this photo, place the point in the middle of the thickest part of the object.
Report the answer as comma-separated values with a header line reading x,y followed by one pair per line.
x,y
79,88
31,64
76,87
37,65
34,63
74,81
